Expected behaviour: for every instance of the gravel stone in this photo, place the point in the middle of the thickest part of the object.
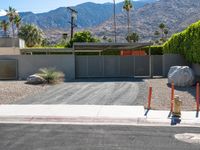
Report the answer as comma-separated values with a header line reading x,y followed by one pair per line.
x,y
12,91
162,95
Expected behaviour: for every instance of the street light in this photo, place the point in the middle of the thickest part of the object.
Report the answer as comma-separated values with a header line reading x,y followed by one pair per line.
x,y
73,17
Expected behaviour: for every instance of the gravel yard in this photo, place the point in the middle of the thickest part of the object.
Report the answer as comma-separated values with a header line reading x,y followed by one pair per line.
x,y
96,92
162,94
12,91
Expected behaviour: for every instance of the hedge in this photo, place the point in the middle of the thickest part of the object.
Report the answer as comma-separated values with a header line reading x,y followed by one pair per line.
x,y
186,43
155,50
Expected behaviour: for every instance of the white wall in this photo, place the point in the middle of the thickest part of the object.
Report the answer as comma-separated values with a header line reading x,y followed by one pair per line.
x,y
9,51
29,64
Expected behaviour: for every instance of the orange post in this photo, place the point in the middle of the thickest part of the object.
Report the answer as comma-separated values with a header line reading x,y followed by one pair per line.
x,y
197,96
149,98
172,96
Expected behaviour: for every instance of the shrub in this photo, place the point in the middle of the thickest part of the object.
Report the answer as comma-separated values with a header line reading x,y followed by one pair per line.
x,y
51,75
155,50
186,43
82,36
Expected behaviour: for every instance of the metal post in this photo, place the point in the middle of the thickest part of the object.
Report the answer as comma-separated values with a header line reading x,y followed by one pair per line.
x,y
149,98
115,26
150,63
172,97
197,96
72,27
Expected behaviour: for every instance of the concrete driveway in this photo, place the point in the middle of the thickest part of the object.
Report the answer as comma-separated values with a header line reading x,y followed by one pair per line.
x,y
93,92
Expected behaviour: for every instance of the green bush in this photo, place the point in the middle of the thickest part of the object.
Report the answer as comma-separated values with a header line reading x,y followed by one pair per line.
x,y
51,75
82,36
155,50
186,43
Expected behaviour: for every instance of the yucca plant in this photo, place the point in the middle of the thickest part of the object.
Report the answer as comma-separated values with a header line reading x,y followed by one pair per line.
x,y
51,75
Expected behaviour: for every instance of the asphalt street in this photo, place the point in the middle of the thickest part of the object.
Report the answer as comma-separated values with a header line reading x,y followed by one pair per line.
x,y
82,137
93,92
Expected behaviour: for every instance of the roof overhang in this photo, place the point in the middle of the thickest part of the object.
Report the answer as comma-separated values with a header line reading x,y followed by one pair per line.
x,y
96,47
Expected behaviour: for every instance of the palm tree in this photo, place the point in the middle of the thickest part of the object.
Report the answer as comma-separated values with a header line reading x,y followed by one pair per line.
x,y
156,33
17,22
163,31
162,27
133,37
4,25
127,7
12,13
31,35
166,32
115,26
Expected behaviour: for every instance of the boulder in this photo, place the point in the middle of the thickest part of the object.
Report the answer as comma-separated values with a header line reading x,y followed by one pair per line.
x,y
181,76
35,79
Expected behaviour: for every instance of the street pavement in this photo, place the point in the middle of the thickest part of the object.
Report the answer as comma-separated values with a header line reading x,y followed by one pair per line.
x,y
82,137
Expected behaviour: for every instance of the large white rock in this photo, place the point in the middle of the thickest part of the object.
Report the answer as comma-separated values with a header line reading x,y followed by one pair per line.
x,y
181,76
35,79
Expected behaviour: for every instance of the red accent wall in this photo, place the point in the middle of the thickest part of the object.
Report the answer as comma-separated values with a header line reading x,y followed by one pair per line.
x,y
133,53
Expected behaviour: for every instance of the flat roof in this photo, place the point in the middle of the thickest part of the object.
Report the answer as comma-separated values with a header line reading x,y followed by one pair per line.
x,y
108,46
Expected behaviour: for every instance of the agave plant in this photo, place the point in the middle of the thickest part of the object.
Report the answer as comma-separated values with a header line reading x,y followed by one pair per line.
x,y
51,75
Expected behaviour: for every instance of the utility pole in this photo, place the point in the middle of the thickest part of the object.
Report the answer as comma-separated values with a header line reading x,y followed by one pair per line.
x,y
72,22
115,26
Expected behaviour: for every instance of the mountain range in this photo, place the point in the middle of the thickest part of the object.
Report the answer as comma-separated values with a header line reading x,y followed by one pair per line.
x,y
175,14
98,18
89,15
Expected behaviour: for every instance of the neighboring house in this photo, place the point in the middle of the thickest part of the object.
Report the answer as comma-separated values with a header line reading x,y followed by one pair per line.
x,y
11,46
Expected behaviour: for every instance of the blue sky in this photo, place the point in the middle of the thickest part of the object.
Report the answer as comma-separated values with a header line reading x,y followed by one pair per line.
x,y
38,6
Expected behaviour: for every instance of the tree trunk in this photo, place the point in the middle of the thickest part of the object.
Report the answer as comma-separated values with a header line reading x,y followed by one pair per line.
x,y
128,22
128,19
13,32
115,26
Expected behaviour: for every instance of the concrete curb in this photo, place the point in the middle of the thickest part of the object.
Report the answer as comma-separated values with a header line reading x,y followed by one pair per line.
x,y
91,114
93,121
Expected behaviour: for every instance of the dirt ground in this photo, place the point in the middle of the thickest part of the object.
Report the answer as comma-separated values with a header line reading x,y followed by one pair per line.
x,y
162,94
122,93
12,91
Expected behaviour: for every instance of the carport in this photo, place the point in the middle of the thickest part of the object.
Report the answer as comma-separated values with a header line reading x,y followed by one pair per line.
x,y
104,66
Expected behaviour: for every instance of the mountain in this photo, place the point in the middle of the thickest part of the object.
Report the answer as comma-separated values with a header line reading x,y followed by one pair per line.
x,y
98,18
89,15
176,14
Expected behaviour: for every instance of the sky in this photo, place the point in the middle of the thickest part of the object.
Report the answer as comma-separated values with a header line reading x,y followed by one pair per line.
x,y
39,6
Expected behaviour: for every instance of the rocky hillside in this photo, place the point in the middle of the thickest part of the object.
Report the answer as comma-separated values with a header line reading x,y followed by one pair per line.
x,y
145,18
89,15
176,14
